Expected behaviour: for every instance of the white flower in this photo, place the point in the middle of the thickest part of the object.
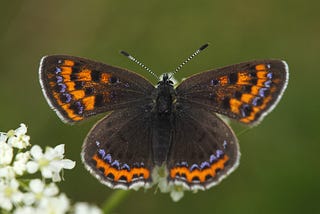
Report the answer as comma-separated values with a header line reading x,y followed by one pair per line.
x,y
20,195
38,191
19,164
7,172
10,194
6,153
3,137
26,210
18,137
160,175
176,193
49,163
85,208
56,205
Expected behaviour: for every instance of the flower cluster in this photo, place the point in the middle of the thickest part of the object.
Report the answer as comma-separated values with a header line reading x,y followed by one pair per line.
x,y
21,195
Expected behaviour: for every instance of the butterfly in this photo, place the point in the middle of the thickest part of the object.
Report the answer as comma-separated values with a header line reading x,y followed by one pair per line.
x,y
151,126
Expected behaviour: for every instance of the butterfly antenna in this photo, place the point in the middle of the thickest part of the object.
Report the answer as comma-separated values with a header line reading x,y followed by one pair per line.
x,y
139,63
189,58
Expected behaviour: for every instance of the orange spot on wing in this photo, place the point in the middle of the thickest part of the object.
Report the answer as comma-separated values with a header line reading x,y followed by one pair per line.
x,y
255,90
235,105
70,113
78,94
261,82
223,80
201,174
243,78
118,173
252,116
52,84
66,77
57,98
70,86
66,71
245,120
84,75
260,67
105,77
265,102
88,102
261,74
50,75
247,98
66,108
68,63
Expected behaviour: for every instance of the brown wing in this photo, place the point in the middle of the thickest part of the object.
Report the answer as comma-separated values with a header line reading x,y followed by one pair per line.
x,y
77,88
245,92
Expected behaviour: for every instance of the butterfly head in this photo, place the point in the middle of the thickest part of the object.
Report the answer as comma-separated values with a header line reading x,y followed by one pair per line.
x,y
165,80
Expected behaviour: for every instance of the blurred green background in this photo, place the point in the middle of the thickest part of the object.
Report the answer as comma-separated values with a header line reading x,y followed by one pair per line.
x,y
279,169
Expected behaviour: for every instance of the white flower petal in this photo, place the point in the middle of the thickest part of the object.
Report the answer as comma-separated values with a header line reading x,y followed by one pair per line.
x,y
85,208
10,194
56,165
56,177
14,184
19,168
7,172
5,203
3,138
29,198
23,156
68,164
36,152
36,186
19,165
176,195
46,172
26,210
17,197
50,153
51,190
32,167
6,153
21,130
58,204
59,149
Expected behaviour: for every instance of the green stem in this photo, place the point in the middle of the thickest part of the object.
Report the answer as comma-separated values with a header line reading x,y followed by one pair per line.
x,y
114,200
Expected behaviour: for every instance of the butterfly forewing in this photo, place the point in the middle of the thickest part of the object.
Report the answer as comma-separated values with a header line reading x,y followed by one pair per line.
x,y
78,88
245,91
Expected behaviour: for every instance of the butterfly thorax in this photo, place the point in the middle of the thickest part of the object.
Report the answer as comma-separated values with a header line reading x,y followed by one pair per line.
x,y
163,115
164,97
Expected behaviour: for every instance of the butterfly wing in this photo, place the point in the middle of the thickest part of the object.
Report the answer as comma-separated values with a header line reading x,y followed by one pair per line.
x,y
77,88
205,149
245,92
117,150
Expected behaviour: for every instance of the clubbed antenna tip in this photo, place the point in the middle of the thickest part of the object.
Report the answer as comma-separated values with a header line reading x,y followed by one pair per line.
x,y
124,53
139,63
204,46
189,58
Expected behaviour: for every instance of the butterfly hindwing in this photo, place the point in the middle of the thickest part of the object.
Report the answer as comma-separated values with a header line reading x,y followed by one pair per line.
x,y
78,88
245,91
204,151
117,150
